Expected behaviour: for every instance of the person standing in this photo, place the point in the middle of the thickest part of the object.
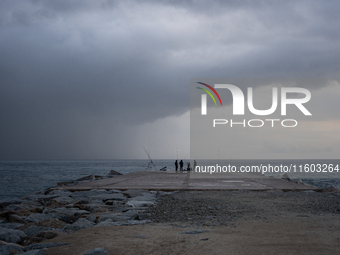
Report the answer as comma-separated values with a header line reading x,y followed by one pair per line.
x,y
176,165
181,165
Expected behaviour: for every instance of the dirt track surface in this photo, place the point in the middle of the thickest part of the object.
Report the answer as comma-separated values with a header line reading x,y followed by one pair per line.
x,y
256,223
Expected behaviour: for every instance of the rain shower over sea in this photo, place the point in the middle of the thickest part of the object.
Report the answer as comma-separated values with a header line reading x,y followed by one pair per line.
x,y
19,178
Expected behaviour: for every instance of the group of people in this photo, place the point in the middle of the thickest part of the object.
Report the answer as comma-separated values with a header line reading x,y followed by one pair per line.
x,y
181,165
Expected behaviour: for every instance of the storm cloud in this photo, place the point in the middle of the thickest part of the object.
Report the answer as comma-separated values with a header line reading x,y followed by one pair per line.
x,y
98,79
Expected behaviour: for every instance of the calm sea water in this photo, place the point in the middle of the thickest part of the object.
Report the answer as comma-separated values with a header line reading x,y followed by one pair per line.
x,y
19,178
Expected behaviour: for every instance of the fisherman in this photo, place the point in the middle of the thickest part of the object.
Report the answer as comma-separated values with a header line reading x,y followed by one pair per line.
x,y
181,165
176,164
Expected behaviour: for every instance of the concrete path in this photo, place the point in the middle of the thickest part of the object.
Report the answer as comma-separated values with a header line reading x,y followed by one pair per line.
x,y
168,181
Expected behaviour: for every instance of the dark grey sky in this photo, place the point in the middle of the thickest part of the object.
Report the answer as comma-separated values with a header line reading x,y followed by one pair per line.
x,y
100,79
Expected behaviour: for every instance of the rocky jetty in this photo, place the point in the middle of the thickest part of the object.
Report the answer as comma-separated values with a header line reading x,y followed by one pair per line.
x,y
26,222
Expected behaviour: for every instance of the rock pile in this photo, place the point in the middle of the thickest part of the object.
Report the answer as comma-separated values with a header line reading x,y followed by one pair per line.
x,y
43,215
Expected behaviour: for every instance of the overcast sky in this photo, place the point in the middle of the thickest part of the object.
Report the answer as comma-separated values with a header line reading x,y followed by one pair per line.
x,y
314,136
100,79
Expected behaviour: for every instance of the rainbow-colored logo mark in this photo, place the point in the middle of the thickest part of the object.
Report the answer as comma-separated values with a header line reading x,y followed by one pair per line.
x,y
208,92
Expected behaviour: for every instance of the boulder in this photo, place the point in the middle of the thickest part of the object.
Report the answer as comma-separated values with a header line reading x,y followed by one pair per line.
x,y
97,201
110,202
131,214
6,202
91,218
111,216
75,212
22,207
28,240
62,200
144,197
137,204
143,216
90,207
11,235
11,225
34,217
33,230
133,192
99,210
60,193
16,219
111,191
40,198
96,251
53,223
87,178
160,194
82,202
79,224
87,194
113,173
79,206
10,249
108,223
105,197
330,189
6,214
38,217
48,234
36,210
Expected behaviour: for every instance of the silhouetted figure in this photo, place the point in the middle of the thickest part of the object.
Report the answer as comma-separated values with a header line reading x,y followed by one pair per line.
x,y
188,168
176,165
181,165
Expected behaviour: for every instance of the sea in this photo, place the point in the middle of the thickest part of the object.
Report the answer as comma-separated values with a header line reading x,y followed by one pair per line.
x,y
20,178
